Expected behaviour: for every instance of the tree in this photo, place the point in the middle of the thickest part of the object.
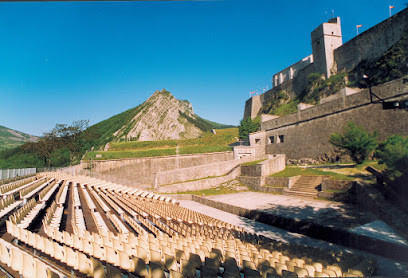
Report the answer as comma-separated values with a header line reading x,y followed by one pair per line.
x,y
355,141
248,126
394,153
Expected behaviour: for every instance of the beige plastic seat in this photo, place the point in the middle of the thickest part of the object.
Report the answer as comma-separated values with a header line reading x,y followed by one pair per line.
x,y
288,274
329,272
71,257
40,269
97,270
29,266
87,247
156,271
31,239
251,273
59,252
336,269
176,274
111,256
141,253
125,261
155,257
291,265
16,259
23,235
77,242
113,272
279,267
301,272
139,267
195,260
248,265
299,262
67,239
321,274
265,270
170,262
5,254
310,269
49,247
98,251
84,263
39,242
187,268
52,274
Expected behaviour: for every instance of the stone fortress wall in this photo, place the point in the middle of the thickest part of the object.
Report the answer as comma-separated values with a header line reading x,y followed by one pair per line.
x,y
372,43
331,56
306,134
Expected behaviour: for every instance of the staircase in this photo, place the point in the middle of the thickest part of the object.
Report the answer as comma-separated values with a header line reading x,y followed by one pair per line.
x,y
305,186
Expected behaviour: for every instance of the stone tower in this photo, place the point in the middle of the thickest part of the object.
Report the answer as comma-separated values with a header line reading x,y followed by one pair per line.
x,y
325,39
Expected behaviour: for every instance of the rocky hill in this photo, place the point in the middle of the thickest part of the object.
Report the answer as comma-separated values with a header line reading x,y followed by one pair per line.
x,y
10,138
160,117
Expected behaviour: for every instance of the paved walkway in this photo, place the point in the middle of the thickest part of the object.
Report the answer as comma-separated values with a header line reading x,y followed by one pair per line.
x,y
321,212
386,267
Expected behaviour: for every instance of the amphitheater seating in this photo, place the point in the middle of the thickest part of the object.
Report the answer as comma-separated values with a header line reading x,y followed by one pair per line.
x,y
154,237
8,204
14,187
31,190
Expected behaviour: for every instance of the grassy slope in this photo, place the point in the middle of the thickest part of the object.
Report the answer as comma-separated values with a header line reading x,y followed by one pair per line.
x,y
351,172
207,143
9,140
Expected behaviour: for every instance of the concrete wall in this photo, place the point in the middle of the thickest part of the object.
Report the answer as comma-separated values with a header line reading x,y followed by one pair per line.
x,y
372,43
244,151
141,170
198,172
265,168
306,133
199,184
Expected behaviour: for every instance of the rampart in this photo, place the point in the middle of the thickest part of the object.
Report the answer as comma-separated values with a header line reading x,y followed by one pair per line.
x,y
141,170
371,44
306,134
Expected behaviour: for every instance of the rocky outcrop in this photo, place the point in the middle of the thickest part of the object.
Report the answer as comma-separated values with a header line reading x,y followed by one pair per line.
x,y
162,117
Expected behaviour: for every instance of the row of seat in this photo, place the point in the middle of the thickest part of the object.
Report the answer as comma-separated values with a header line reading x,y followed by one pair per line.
x,y
175,233
6,201
32,190
60,252
46,193
61,196
88,199
24,263
98,199
6,188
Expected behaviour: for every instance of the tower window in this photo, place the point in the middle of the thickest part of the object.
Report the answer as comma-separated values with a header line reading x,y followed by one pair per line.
x,y
281,138
272,139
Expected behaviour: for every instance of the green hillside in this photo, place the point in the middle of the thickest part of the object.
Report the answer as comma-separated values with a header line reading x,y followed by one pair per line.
x,y
115,128
10,138
207,143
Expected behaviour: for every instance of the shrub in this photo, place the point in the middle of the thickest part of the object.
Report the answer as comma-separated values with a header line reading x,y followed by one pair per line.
x,y
248,126
355,141
394,153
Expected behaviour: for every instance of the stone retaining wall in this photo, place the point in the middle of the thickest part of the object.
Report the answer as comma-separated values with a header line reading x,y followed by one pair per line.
x,y
198,184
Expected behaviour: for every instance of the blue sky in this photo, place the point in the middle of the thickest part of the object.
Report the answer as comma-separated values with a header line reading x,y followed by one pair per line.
x,y
66,61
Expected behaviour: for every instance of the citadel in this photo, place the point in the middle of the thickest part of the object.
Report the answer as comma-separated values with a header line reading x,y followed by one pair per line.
x,y
305,134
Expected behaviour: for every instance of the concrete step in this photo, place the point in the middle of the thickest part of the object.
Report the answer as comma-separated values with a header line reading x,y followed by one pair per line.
x,y
300,194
